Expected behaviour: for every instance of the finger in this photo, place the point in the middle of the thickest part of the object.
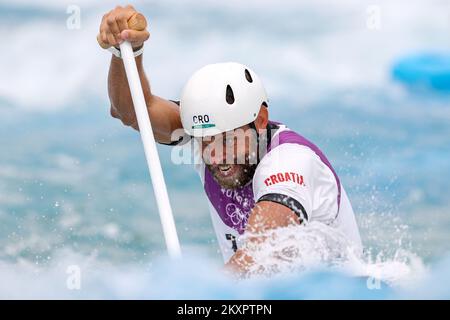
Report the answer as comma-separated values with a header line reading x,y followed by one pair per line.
x,y
103,24
111,40
102,33
122,21
128,12
113,27
103,37
123,16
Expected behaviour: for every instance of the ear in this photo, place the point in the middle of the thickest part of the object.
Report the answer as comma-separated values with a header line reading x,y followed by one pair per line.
x,y
262,119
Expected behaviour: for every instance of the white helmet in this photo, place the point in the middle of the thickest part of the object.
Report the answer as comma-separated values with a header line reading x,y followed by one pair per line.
x,y
220,97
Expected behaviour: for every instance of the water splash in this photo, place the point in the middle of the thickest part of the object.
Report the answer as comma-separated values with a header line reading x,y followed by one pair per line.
x,y
298,262
316,246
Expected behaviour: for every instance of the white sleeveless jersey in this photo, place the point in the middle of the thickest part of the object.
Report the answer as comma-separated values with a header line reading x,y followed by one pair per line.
x,y
295,173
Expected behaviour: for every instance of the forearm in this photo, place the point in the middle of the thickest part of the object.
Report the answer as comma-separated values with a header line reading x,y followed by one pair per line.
x,y
265,217
239,263
163,114
119,91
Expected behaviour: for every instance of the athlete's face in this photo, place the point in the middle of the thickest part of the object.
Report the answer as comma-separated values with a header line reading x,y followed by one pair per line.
x,y
231,156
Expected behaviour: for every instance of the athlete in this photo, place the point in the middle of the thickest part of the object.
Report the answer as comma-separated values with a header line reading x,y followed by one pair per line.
x,y
272,178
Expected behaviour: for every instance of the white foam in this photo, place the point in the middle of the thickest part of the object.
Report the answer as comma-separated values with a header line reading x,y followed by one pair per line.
x,y
199,278
317,246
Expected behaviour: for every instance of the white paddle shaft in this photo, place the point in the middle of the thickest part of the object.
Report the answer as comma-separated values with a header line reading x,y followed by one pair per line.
x,y
151,152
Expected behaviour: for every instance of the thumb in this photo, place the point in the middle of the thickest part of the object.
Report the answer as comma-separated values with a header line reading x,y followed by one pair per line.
x,y
134,35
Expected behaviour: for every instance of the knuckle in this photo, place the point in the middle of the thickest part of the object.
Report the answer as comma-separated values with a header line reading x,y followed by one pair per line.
x,y
106,15
121,18
111,39
110,21
103,27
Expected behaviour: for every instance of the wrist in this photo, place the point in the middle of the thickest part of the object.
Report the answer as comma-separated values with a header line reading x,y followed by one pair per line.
x,y
138,50
135,48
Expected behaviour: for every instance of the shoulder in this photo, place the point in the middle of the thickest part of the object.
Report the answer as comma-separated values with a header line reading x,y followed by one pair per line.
x,y
297,169
289,149
287,156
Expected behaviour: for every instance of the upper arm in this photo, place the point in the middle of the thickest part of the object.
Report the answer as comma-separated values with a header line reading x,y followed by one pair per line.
x,y
164,117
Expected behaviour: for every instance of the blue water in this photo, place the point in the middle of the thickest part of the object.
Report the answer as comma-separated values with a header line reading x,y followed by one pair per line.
x,y
429,70
74,186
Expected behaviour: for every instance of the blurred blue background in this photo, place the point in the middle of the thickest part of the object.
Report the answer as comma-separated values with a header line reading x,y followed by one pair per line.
x,y
73,180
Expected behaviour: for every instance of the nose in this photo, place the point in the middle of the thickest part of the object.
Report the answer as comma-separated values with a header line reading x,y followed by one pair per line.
x,y
215,153
217,157
217,150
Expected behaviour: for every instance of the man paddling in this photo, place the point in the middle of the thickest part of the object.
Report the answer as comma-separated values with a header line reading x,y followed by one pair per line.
x,y
258,174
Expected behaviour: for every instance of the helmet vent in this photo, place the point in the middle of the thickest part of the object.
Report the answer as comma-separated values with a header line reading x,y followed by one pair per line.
x,y
248,76
229,95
